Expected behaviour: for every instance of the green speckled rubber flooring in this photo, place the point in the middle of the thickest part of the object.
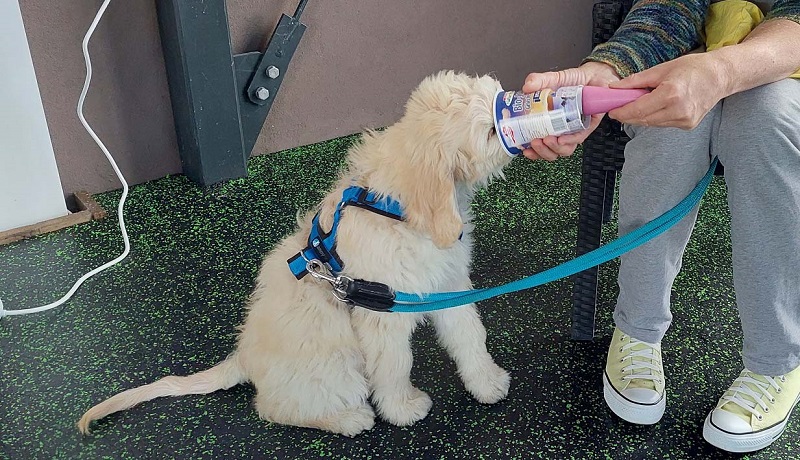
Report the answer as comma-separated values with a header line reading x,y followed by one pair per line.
x,y
173,306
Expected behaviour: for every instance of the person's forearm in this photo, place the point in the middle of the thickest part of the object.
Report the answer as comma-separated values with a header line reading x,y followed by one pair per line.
x,y
770,53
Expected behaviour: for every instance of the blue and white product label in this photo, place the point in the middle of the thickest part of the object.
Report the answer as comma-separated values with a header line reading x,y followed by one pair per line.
x,y
519,118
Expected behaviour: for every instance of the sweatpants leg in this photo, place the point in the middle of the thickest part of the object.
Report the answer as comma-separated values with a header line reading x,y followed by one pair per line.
x,y
759,145
662,165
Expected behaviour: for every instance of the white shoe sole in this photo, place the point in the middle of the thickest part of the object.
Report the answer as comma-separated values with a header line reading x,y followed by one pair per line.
x,y
640,414
748,442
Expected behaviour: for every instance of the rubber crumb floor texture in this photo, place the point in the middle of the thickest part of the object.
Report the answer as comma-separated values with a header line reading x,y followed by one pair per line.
x,y
173,306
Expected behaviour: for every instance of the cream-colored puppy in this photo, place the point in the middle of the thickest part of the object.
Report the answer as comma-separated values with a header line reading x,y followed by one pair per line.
x,y
316,361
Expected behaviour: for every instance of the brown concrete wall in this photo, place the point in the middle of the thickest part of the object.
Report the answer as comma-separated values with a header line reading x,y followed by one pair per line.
x,y
355,67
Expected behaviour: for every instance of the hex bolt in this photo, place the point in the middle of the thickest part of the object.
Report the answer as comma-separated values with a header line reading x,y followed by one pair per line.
x,y
262,93
273,72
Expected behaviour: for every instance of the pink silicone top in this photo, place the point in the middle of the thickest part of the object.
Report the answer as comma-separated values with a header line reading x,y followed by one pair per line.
x,y
599,99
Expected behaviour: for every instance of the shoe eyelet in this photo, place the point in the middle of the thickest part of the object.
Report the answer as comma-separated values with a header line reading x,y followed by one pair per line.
x,y
772,400
760,418
783,378
779,390
620,349
622,360
766,410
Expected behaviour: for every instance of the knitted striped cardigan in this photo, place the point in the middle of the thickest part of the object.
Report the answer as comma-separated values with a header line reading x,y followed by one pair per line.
x,y
657,31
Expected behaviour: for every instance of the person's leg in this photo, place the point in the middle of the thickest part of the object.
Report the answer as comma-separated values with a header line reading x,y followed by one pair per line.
x,y
759,145
661,167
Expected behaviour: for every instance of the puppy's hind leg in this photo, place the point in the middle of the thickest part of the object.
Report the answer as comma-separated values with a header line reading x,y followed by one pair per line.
x,y
462,334
349,422
386,343
326,392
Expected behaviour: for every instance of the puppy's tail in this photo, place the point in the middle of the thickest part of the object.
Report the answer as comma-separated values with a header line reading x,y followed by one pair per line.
x,y
220,377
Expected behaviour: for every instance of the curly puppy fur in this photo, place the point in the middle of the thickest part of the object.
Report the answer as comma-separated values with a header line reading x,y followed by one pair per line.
x,y
316,362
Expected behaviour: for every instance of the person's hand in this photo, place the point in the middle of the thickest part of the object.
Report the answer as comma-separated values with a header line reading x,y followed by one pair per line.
x,y
684,90
592,73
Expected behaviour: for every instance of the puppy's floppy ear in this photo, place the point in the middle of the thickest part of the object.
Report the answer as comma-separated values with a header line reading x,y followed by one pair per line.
x,y
428,183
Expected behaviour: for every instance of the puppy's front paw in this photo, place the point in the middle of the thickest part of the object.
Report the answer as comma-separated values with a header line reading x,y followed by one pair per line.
x,y
490,385
404,408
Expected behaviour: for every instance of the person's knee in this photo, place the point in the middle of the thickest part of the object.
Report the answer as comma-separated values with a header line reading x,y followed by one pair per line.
x,y
777,100
759,126
655,141
661,166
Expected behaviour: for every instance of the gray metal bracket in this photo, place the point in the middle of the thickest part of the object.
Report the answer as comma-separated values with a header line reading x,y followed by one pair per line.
x,y
219,100
259,75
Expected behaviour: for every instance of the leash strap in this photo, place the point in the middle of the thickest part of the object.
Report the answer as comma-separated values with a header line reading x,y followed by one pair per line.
x,y
416,303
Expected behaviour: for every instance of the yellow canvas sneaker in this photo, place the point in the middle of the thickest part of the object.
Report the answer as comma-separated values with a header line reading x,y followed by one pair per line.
x,y
633,382
753,412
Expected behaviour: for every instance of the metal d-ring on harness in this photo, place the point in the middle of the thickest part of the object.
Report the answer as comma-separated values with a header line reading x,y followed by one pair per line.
x,y
380,297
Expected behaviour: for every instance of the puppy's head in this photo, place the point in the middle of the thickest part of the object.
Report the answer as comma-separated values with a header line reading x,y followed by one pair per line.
x,y
454,112
450,132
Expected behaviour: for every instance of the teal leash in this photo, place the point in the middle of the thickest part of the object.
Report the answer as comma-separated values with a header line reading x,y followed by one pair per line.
x,y
416,303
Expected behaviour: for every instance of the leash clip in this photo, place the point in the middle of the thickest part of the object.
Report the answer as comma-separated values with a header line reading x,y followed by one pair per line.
x,y
365,294
317,271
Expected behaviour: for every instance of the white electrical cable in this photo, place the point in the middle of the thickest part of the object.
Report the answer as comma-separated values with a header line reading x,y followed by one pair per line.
x,y
97,140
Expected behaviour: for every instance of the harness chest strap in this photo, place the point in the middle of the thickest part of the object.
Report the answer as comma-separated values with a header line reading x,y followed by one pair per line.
x,y
322,245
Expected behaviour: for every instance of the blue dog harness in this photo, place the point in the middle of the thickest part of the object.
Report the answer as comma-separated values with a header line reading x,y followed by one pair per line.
x,y
322,245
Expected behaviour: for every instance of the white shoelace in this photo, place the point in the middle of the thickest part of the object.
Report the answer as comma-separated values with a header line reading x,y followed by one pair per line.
x,y
745,397
646,358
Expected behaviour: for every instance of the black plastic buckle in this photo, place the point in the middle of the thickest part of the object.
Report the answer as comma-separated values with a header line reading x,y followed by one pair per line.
x,y
367,294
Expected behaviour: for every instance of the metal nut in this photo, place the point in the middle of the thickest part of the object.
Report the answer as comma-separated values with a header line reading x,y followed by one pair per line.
x,y
273,72
262,93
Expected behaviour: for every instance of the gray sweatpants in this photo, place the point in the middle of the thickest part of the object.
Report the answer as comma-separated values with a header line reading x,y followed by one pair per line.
x,y
756,135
